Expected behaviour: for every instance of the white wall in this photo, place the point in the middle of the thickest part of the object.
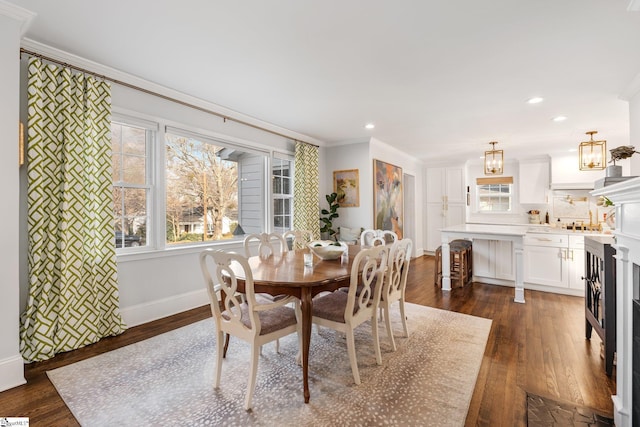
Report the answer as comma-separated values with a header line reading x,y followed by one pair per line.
x,y
350,156
12,20
411,166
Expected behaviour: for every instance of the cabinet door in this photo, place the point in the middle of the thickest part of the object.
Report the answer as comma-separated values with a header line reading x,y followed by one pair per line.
x,y
576,261
435,221
454,185
454,214
503,260
435,185
545,265
533,181
483,258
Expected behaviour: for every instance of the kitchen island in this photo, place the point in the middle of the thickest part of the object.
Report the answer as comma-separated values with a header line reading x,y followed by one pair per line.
x,y
511,233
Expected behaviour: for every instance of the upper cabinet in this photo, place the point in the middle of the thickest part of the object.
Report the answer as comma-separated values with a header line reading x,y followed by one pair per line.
x,y
533,184
445,185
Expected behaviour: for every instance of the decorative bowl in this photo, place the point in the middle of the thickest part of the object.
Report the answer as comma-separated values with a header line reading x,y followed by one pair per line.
x,y
327,249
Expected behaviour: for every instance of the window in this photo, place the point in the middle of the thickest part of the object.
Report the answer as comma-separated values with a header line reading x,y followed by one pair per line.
x,y
494,194
214,191
282,178
130,145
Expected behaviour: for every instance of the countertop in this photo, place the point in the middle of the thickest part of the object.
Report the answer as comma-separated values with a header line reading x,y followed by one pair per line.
x,y
517,230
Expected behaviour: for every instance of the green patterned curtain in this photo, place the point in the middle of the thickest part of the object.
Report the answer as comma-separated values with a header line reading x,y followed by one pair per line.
x,y
73,291
306,188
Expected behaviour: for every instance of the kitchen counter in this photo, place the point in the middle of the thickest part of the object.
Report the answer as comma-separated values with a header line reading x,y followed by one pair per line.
x,y
512,233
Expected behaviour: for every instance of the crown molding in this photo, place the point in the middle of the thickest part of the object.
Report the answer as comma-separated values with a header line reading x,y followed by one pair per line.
x,y
112,73
18,13
634,6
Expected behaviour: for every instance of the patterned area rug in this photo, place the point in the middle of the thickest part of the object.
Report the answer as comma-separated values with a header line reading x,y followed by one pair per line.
x,y
167,380
544,412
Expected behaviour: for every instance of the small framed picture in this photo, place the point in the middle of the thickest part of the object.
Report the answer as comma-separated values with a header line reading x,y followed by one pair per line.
x,y
346,185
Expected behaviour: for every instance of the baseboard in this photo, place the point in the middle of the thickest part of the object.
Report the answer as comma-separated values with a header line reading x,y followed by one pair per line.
x,y
154,310
11,373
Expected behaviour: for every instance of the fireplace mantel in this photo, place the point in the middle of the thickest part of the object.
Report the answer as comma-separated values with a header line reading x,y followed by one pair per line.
x,y
626,198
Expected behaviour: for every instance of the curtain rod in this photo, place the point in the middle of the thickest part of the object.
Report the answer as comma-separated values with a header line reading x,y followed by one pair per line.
x,y
159,95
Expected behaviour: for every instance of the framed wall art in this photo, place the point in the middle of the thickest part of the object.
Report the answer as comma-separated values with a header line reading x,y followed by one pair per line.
x,y
346,184
388,201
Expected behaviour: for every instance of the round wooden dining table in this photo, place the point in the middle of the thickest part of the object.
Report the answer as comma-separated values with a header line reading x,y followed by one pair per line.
x,y
286,274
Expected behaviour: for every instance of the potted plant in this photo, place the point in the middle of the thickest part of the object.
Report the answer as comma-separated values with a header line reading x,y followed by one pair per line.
x,y
329,215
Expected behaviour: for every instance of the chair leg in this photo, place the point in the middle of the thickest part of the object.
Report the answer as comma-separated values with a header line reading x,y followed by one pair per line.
x,y
351,349
253,370
404,318
219,356
376,339
278,345
226,345
387,319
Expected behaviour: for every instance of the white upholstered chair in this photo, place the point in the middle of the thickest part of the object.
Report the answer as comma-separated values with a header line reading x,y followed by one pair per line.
x,y
267,244
300,238
252,321
372,237
344,311
395,284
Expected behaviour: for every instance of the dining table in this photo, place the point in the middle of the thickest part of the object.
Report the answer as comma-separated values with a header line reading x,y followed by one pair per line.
x,y
287,274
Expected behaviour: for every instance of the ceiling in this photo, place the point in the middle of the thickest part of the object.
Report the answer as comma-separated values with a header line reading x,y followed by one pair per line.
x,y
439,78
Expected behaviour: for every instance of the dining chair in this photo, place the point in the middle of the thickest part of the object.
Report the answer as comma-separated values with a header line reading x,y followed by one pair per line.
x,y
267,244
255,322
395,284
300,238
344,311
370,237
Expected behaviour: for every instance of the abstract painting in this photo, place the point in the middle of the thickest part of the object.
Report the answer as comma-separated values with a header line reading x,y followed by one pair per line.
x,y
346,185
387,197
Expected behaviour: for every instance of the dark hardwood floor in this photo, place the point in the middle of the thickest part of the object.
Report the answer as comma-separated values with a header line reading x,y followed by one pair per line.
x,y
537,347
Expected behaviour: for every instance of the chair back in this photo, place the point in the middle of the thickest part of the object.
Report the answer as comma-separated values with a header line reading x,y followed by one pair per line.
x,y
300,238
398,268
367,275
372,237
222,286
268,244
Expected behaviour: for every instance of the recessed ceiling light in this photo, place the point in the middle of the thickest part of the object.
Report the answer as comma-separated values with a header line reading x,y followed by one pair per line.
x,y
535,100
369,126
559,118
571,150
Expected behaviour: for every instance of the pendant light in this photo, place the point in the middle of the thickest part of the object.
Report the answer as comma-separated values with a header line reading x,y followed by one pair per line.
x,y
493,160
592,153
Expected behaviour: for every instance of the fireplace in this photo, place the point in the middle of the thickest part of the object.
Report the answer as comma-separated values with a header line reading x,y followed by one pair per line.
x,y
635,387
626,199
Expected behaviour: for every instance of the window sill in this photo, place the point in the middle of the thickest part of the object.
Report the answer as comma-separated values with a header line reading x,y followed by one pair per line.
x,y
148,253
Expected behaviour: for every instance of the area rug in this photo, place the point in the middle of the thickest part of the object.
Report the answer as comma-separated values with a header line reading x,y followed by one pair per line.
x,y
167,380
545,412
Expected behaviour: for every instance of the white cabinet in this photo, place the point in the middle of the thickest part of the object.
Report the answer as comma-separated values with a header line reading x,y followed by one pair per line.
x,y
493,259
446,202
533,182
554,260
575,261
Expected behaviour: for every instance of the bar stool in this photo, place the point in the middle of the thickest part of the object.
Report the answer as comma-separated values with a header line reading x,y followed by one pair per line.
x,y
461,261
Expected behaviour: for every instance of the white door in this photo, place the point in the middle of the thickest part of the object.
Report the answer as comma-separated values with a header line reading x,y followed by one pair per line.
x,y
454,185
545,265
435,185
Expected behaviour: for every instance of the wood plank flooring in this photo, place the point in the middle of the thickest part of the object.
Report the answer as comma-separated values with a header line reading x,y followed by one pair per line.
x,y
537,347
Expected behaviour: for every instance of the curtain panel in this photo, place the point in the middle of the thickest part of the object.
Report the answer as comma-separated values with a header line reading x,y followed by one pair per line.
x,y
73,292
306,187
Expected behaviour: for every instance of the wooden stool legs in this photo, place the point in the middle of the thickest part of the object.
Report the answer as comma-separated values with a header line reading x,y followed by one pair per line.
x,y
461,258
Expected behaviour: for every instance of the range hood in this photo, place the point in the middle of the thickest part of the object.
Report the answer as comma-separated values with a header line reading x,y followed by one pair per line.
x,y
614,175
